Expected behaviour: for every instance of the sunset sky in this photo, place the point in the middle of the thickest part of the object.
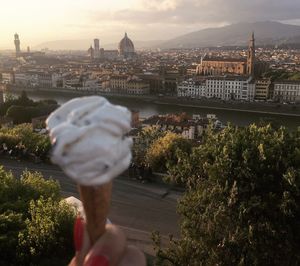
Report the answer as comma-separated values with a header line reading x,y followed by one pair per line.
x,y
38,21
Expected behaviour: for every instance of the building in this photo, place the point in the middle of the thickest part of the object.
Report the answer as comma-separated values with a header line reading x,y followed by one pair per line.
x,y
109,54
118,83
128,85
96,48
251,56
135,118
155,82
91,52
2,89
126,48
137,87
220,66
17,44
22,79
189,127
219,87
262,89
49,79
170,77
230,88
8,77
238,66
287,91
192,89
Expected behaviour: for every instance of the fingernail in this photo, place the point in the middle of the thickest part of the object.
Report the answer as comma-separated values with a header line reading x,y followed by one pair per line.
x,y
98,260
78,233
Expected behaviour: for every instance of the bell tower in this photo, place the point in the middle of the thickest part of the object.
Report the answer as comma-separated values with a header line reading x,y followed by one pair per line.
x,y
251,56
17,44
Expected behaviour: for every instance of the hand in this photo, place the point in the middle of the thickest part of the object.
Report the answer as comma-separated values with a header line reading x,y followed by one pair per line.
x,y
110,250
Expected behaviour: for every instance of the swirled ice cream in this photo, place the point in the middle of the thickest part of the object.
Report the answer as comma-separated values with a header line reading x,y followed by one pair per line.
x,y
89,139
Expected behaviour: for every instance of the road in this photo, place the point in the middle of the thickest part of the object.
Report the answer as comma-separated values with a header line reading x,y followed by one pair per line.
x,y
138,208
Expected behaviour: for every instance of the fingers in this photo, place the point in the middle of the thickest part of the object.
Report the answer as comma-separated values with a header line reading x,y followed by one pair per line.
x,y
133,257
109,249
81,241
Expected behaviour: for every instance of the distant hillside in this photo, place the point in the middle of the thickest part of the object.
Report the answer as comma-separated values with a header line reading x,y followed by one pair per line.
x,y
268,32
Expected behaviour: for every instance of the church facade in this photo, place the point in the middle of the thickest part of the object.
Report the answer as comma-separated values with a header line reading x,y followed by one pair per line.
x,y
238,66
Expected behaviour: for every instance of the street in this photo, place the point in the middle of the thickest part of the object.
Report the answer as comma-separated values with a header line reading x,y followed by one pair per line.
x,y
138,208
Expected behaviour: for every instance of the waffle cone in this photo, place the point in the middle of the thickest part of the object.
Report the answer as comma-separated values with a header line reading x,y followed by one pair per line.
x,y
96,202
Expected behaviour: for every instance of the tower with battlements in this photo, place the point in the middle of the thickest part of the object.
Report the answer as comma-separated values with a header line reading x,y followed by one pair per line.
x,y
17,44
251,56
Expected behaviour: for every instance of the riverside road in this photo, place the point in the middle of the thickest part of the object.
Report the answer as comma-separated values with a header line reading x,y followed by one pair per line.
x,y
138,208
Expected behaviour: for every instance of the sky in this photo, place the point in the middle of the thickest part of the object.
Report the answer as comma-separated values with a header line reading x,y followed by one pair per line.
x,y
38,21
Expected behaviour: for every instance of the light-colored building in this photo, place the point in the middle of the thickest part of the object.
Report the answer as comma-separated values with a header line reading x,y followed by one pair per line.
x,y
137,87
191,89
7,77
26,79
287,91
220,87
128,85
262,89
230,88
49,79
118,83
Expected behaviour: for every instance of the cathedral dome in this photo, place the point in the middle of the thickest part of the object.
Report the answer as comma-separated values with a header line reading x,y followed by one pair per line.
x,y
126,46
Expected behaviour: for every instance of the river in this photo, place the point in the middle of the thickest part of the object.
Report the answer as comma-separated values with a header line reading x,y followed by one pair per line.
x,y
147,109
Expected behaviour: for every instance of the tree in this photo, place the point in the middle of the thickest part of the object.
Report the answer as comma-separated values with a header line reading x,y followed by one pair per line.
x,y
48,227
143,141
242,205
22,139
163,151
33,221
24,114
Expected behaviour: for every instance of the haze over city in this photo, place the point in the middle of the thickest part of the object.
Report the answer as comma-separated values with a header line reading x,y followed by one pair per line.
x,y
41,21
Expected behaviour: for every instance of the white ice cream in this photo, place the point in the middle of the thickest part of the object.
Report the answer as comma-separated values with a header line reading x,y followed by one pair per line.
x,y
88,138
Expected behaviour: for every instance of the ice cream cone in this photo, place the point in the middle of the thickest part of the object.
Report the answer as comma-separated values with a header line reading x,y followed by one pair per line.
x,y
96,202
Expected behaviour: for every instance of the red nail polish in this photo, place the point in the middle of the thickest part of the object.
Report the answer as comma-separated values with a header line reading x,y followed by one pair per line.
x,y
98,260
78,233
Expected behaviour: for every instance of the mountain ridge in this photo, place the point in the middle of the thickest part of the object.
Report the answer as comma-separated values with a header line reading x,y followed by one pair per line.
x,y
238,34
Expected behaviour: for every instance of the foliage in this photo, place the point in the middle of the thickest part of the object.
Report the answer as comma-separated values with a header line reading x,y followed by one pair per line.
x,y
144,139
242,206
10,100
282,75
163,151
49,227
23,109
11,223
23,140
24,114
33,220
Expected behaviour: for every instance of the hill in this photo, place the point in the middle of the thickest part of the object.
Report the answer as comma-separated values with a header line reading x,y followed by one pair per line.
x,y
266,33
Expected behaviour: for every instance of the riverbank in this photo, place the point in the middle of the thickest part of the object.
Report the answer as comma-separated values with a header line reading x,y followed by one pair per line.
x,y
214,104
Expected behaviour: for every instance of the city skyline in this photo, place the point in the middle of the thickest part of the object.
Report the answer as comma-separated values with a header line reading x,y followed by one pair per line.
x,y
39,22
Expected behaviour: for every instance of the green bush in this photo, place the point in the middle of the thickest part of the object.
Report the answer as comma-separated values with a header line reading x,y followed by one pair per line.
x,y
242,205
48,231
163,151
23,139
144,140
34,224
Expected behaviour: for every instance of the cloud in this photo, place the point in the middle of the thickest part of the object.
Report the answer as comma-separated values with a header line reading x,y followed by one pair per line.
x,y
188,12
